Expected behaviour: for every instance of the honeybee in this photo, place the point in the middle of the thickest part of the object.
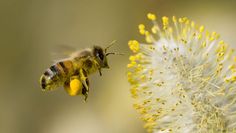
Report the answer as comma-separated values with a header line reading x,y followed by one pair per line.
x,y
79,66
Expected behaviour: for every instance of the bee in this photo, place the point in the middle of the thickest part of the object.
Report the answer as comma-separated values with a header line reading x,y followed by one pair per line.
x,y
78,66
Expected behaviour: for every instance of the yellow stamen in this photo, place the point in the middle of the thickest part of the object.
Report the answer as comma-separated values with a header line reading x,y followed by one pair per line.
x,y
134,45
174,19
141,28
192,24
165,21
151,16
201,29
154,29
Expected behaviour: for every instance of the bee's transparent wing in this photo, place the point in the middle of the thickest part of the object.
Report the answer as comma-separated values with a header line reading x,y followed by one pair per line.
x,y
61,52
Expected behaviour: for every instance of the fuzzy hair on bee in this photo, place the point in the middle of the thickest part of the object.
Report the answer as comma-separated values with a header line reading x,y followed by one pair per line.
x,y
72,73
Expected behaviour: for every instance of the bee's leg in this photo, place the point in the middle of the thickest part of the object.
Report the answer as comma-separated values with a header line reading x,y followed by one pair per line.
x,y
85,93
84,78
100,71
73,86
85,82
67,85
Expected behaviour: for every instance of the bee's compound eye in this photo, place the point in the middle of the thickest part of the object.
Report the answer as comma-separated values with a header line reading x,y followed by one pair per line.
x,y
100,55
98,52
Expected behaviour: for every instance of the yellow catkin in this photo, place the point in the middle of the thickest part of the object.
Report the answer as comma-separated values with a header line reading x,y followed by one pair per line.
x,y
182,75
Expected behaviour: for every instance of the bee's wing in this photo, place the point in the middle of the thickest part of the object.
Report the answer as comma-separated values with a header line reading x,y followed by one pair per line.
x,y
61,52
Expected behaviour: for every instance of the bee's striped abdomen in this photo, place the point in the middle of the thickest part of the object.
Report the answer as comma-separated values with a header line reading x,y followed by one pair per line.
x,y
56,75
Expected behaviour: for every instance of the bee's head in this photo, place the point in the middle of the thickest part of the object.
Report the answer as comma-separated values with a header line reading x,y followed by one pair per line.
x,y
100,56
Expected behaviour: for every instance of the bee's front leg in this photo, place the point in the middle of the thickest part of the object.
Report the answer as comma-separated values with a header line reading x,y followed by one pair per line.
x,y
100,71
85,94
99,68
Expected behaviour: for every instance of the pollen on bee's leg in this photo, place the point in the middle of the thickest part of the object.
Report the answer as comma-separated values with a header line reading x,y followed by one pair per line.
x,y
75,87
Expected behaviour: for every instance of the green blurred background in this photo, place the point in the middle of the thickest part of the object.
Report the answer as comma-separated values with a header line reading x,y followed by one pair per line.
x,y
31,29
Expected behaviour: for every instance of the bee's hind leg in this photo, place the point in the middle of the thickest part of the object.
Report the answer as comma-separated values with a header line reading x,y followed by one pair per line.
x,y
73,86
85,94
85,90
85,82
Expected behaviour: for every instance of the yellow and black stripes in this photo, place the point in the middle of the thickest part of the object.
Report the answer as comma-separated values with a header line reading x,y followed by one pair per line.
x,y
43,82
56,75
63,66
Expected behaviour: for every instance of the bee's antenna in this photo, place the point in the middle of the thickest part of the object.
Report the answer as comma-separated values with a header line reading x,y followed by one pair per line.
x,y
114,53
111,44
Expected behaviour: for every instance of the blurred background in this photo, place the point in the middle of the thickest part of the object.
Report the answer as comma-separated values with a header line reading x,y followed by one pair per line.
x,y
31,29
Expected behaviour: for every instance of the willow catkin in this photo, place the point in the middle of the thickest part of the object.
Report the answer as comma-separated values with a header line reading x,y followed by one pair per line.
x,y
183,78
